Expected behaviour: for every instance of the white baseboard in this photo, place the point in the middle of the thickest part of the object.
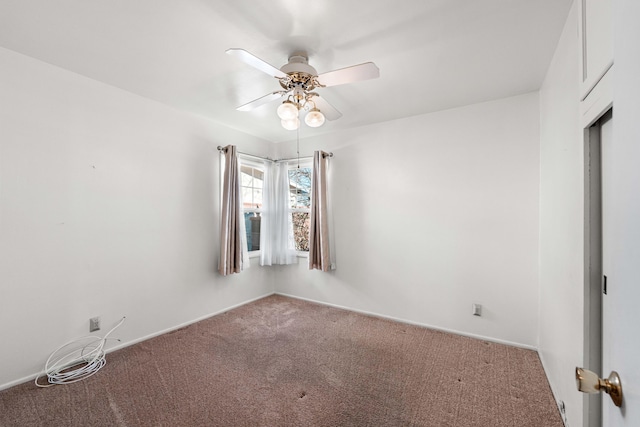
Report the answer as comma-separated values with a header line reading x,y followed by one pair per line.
x,y
556,398
368,313
190,322
411,322
32,377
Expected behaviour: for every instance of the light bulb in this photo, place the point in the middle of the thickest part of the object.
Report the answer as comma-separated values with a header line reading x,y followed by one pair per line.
x,y
291,124
314,118
287,111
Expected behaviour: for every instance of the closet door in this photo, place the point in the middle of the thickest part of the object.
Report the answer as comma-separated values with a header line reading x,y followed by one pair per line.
x,y
596,30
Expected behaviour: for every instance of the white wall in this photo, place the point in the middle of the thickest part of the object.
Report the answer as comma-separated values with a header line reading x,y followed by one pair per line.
x,y
433,213
562,221
108,207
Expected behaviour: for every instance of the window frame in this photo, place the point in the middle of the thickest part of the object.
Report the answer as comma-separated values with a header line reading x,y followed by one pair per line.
x,y
291,165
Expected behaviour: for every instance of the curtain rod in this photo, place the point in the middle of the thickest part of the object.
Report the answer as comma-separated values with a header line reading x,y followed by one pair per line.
x,y
221,149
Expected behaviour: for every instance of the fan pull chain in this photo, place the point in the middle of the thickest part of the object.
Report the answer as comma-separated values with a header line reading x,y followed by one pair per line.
x,y
298,144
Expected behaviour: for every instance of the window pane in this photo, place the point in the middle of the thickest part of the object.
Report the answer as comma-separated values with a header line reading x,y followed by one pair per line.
x,y
258,177
252,223
247,199
251,187
301,222
251,183
257,198
246,176
300,187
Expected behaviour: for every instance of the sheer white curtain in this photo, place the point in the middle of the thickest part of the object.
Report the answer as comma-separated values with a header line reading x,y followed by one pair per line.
x,y
276,229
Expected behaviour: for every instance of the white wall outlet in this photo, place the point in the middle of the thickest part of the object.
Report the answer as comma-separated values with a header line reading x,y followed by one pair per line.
x,y
563,412
477,310
94,324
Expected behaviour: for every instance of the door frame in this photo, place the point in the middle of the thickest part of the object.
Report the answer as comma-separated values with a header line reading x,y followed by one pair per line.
x,y
593,274
598,103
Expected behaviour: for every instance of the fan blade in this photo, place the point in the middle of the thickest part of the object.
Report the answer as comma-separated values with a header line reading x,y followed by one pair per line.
x,y
261,101
327,109
256,62
365,71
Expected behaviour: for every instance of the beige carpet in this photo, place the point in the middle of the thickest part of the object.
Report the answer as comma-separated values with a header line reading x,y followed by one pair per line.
x,y
286,362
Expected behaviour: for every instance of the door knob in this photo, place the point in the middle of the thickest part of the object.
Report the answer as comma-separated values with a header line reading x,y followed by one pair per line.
x,y
589,382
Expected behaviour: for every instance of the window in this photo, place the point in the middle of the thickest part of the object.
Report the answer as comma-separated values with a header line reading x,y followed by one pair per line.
x,y
300,205
251,180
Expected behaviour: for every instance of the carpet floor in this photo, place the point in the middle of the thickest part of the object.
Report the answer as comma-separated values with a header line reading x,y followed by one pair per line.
x,y
285,362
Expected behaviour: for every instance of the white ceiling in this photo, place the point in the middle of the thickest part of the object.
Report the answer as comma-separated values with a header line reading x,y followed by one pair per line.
x,y
432,54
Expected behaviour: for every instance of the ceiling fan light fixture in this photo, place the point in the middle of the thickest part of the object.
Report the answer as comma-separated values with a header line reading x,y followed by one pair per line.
x,y
291,124
298,79
314,118
287,111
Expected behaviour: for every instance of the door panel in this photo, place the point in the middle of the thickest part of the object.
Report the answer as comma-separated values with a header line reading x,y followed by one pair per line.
x,y
597,41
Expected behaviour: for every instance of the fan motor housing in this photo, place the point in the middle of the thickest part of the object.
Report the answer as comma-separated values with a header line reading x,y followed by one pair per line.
x,y
299,63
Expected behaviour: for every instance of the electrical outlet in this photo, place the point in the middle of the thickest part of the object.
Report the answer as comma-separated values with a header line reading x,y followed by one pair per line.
x,y
563,412
94,324
477,310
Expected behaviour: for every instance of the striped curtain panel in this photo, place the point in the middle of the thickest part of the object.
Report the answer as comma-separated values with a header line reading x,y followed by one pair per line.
x,y
319,256
231,255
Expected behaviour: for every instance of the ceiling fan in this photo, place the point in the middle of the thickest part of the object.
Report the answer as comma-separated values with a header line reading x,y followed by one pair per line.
x,y
298,80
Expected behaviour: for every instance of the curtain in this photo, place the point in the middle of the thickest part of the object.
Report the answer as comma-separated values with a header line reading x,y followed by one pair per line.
x,y
276,232
231,219
319,253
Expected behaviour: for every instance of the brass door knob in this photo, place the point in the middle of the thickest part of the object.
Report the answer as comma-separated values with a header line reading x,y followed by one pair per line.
x,y
590,382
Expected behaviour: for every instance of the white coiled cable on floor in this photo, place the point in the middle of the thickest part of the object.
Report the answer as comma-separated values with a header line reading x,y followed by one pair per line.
x,y
85,359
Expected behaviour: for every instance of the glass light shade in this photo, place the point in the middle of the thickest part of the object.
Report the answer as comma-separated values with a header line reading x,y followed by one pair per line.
x,y
291,124
287,111
314,118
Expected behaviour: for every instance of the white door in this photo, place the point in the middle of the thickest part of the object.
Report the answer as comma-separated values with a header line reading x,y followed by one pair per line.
x,y
621,279
621,257
616,267
621,221
622,326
